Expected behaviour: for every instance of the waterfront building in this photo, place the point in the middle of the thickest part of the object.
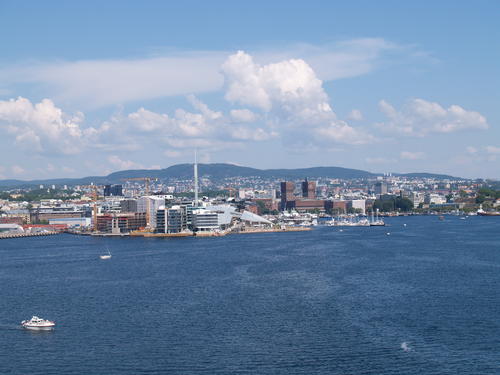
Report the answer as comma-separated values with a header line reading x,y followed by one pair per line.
x,y
189,214
121,222
11,228
303,205
171,220
358,205
161,219
72,222
432,198
417,198
150,206
111,205
205,220
339,206
228,215
269,204
19,216
46,213
128,205
11,220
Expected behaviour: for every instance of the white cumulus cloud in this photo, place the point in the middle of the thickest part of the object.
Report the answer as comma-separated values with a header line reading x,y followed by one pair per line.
x,y
291,97
419,117
202,127
243,115
41,127
291,84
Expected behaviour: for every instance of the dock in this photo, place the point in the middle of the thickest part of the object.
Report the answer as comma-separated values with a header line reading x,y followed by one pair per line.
x,y
272,230
244,230
24,234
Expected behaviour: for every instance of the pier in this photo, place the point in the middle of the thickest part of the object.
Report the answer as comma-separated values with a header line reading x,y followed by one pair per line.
x,y
23,234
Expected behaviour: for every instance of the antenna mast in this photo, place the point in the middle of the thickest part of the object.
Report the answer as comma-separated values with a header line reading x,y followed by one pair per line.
x,y
195,180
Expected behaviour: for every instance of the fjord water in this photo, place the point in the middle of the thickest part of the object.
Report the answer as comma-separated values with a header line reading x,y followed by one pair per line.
x,y
423,300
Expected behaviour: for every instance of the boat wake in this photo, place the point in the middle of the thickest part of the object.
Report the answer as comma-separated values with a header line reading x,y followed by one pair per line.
x,y
10,327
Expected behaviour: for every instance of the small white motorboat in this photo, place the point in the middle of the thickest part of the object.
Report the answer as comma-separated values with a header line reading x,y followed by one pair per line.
x,y
38,324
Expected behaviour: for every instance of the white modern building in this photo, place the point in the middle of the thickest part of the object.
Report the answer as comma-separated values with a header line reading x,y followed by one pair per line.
x,y
154,203
13,228
205,220
72,222
359,204
223,216
434,198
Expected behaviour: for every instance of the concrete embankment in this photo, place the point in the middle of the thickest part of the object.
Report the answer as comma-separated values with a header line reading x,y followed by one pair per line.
x,y
22,235
246,230
167,235
273,230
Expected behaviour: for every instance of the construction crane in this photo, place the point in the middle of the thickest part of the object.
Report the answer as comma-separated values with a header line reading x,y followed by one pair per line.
x,y
94,189
147,181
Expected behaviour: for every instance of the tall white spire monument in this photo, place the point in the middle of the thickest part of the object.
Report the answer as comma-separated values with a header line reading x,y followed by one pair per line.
x,y
195,180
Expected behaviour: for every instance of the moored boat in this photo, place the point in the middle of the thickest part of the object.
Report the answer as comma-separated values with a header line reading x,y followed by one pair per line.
x,y
376,222
488,213
482,212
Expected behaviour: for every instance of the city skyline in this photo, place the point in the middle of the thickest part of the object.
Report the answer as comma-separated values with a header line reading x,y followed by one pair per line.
x,y
87,89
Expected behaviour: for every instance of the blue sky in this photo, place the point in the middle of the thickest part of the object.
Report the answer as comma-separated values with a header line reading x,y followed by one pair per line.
x,y
92,87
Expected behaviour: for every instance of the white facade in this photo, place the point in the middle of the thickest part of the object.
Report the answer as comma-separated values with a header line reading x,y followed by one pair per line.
x,y
11,228
72,221
154,202
435,199
222,216
205,220
359,204
417,198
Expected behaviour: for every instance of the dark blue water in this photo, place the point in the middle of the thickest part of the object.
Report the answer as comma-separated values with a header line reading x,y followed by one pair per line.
x,y
321,302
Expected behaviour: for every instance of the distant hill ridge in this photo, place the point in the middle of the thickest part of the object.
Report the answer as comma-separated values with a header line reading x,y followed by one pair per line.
x,y
217,171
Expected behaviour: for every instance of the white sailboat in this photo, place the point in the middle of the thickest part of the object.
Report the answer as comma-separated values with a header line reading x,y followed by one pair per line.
x,y
106,256
377,222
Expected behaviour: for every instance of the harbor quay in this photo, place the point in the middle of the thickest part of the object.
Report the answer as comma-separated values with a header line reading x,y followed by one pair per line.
x,y
250,230
23,235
